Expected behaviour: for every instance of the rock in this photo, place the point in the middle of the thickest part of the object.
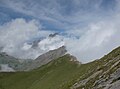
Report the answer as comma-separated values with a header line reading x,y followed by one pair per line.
x,y
47,57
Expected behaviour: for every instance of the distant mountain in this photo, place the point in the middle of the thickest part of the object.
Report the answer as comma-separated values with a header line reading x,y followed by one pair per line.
x,y
36,42
67,73
47,57
1,48
9,63
6,68
31,49
27,64
53,35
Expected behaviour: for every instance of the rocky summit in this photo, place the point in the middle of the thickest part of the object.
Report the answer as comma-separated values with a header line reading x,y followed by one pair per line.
x,y
45,58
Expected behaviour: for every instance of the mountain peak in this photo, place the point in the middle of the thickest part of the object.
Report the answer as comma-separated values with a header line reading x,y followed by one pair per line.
x,y
47,57
53,35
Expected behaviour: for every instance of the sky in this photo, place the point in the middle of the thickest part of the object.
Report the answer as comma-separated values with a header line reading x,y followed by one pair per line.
x,y
88,28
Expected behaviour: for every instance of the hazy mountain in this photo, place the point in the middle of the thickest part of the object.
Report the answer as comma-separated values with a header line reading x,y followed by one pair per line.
x,y
1,48
8,60
27,64
31,49
9,63
35,43
6,68
45,58
67,73
53,35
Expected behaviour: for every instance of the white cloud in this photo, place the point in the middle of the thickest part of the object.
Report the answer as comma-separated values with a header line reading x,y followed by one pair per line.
x,y
15,34
98,40
18,31
95,41
98,30
26,46
43,46
58,13
51,43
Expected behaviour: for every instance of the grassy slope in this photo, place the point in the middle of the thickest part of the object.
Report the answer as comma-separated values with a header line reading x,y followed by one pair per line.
x,y
105,65
58,74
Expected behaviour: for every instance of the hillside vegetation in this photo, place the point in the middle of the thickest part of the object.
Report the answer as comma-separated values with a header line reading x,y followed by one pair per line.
x,y
67,73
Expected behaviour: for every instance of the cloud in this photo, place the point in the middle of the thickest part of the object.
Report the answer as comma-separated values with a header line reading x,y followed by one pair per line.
x,y
63,13
15,34
44,46
51,43
91,27
98,40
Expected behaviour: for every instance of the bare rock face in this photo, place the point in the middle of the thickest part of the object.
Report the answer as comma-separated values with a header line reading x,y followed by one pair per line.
x,y
115,85
114,81
106,73
53,35
47,57
35,43
109,79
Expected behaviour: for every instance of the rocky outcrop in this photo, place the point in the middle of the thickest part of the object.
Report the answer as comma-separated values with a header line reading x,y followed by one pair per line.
x,y
105,75
53,35
35,43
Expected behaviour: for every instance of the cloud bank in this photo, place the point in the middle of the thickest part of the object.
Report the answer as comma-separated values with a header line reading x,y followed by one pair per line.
x,y
89,28
97,41
63,14
16,34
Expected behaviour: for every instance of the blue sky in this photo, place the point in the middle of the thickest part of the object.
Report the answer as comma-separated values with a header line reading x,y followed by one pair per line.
x,y
57,14
90,28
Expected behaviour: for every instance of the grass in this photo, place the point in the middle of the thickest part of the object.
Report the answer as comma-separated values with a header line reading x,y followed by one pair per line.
x,y
57,74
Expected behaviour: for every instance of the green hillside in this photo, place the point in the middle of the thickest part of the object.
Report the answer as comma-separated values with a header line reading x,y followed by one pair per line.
x,y
62,73
50,76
